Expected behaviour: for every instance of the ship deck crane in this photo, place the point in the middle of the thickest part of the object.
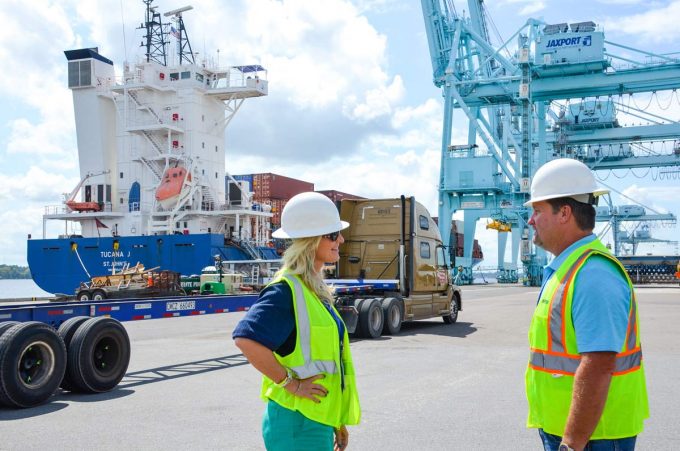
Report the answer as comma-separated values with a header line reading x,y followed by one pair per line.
x,y
507,95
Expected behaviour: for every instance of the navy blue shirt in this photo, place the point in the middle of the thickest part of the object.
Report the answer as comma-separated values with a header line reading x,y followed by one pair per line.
x,y
271,320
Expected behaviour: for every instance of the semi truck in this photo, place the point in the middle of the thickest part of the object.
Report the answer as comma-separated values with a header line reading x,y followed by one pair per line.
x,y
392,267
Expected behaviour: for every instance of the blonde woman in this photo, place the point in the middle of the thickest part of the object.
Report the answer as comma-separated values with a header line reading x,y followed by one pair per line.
x,y
294,336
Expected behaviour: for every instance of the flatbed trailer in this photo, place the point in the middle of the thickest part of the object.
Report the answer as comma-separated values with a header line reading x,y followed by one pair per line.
x,y
81,346
134,309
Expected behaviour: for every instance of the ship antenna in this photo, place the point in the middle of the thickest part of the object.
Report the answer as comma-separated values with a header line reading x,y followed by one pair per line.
x,y
154,36
122,21
183,44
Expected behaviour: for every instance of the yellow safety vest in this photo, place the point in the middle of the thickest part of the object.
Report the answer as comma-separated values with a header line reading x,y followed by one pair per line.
x,y
554,358
317,351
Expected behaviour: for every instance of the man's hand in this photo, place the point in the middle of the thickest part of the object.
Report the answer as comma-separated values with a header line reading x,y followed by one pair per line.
x,y
591,386
341,438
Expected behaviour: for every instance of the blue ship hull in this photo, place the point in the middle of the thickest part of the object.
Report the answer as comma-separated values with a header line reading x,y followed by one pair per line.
x,y
59,265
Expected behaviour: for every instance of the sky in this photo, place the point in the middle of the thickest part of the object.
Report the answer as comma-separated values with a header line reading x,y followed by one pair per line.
x,y
351,105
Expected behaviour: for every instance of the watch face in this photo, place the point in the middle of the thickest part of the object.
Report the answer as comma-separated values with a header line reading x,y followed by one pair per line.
x,y
564,447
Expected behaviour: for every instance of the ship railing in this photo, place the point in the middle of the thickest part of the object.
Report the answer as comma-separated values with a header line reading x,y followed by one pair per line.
x,y
235,77
134,206
55,209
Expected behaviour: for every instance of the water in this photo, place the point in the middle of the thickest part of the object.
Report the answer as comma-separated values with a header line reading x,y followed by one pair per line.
x,y
20,288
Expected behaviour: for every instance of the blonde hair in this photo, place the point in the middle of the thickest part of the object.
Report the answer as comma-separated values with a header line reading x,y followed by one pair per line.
x,y
299,260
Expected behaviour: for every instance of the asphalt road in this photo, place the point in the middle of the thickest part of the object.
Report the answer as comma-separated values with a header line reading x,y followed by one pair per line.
x,y
432,387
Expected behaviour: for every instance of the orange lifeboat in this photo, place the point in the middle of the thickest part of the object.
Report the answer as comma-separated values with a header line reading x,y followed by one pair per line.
x,y
171,186
82,206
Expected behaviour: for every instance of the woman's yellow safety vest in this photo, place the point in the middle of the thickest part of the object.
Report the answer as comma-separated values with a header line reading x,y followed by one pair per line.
x,y
554,358
317,351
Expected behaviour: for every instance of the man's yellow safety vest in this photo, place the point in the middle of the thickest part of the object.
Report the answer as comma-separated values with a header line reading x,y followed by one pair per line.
x,y
317,351
554,358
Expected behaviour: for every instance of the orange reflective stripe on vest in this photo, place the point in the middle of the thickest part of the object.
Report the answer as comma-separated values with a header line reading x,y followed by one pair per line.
x,y
556,359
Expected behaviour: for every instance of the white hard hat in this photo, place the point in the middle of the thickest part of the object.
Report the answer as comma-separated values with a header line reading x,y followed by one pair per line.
x,y
564,177
309,214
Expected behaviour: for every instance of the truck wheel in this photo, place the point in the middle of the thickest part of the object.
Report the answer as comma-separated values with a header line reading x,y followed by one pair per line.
x,y
32,364
393,316
452,316
98,355
4,326
66,331
83,295
98,295
371,318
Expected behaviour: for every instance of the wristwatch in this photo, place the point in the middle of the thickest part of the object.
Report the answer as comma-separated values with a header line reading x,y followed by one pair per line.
x,y
288,379
565,447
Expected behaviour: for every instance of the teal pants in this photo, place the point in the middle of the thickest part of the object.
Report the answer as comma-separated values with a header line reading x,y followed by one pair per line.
x,y
287,430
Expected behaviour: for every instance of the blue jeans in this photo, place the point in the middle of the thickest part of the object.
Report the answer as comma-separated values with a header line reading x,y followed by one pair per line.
x,y
287,430
552,443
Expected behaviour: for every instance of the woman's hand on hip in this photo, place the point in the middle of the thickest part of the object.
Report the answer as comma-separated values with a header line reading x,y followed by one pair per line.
x,y
308,388
341,438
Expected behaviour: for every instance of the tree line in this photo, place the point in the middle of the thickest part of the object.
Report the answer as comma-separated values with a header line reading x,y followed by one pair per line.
x,y
14,272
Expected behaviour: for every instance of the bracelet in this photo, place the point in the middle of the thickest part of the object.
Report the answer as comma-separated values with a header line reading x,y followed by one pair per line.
x,y
298,387
287,380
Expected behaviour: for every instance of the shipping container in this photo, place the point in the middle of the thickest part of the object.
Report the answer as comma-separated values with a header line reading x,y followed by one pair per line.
x,y
274,186
244,177
276,208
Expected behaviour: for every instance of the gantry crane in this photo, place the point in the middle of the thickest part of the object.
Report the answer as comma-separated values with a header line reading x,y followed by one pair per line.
x,y
527,104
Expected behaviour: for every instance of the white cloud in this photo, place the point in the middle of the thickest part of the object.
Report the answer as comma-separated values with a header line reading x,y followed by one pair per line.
x,y
532,7
36,185
623,2
657,24
331,98
655,198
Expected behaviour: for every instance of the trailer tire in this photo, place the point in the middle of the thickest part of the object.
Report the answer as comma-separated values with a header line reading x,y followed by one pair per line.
x,y
371,318
393,311
454,307
84,295
66,331
98,355
98,295
32,364
4,326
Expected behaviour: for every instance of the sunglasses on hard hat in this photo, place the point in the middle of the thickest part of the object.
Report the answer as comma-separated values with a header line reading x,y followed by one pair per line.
x,y
332,236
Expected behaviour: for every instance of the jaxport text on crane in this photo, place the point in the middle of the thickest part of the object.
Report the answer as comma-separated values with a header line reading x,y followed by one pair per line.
x,y
587,40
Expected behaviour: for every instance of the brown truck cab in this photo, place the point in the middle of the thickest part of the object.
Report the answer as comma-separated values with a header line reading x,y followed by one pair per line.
x,y
392,267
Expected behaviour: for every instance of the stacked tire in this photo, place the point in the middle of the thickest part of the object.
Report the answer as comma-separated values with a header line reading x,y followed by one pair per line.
x,y
86,355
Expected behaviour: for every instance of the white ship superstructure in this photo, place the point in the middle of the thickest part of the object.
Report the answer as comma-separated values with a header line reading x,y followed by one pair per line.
x,y
151,143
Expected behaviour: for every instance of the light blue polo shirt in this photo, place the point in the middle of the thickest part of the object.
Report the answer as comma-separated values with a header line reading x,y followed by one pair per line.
x,y
601,301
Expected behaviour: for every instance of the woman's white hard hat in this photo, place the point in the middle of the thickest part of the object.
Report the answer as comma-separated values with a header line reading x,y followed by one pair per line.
x,y
309,214
564,177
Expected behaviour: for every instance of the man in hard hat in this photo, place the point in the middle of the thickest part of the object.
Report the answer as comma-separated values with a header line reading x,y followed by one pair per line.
x,y
585,379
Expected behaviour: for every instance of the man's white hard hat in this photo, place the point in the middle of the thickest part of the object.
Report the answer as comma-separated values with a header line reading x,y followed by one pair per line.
x,y
564,177
309,214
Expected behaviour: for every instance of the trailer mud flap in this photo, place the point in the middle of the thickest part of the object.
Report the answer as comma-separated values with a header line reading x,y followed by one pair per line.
x,y
350,317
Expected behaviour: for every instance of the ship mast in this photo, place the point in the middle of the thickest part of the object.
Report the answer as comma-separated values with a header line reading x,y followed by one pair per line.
x,y
155,38
183,45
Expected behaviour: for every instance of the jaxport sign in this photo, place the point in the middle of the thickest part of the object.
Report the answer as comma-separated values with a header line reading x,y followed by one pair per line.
x,y
568,42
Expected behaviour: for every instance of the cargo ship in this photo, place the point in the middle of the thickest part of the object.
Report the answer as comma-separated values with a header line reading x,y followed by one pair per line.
x,y
152,165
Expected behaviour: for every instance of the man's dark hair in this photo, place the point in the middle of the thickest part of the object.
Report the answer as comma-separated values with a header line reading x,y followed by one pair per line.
x,y
583,213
